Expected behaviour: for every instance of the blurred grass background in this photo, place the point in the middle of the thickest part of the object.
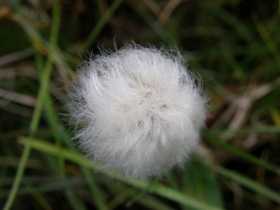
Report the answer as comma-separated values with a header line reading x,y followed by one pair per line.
x,y
232,44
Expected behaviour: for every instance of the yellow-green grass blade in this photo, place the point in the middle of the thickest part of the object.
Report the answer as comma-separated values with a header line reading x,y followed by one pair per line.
x,y
158,189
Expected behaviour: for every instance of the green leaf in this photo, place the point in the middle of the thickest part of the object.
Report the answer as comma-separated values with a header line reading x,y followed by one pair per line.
x,y
201,182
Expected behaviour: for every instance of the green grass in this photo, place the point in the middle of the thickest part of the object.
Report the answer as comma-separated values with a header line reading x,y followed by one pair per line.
x,y
233,46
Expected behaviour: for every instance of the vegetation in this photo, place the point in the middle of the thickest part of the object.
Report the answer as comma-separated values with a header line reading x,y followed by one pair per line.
x,y
232,45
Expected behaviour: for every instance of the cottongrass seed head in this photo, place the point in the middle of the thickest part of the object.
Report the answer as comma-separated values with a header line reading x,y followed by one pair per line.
x,y
136,111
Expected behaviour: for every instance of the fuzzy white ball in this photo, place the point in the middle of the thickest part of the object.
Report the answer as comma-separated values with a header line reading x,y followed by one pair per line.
x,y
137,111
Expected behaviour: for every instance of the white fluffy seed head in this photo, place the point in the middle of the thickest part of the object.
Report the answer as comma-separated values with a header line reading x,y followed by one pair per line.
x,y
137,111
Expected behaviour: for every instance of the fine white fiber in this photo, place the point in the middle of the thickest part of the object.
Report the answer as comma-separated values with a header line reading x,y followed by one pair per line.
x,y
137,110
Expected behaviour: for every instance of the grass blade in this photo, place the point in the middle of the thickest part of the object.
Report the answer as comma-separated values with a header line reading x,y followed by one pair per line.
x,y
247,156
96,31
155,188
37,111
249,183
